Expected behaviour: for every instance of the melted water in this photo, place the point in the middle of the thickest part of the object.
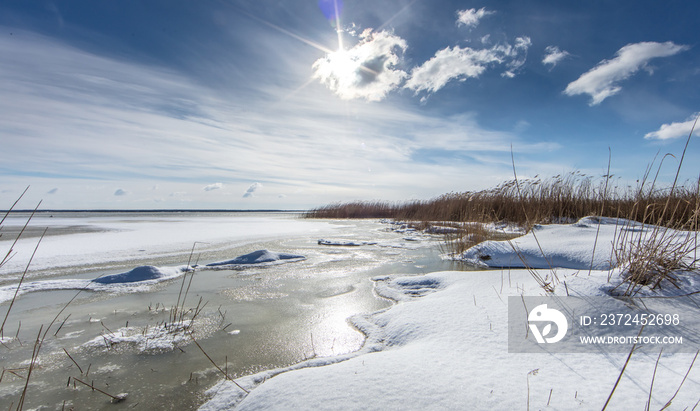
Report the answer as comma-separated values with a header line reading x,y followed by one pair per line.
x,y
253,320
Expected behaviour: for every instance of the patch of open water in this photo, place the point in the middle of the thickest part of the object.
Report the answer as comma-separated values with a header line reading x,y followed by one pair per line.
x,y
251,320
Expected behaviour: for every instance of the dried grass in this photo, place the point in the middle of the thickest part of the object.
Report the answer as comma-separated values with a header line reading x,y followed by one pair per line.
x,y
562,198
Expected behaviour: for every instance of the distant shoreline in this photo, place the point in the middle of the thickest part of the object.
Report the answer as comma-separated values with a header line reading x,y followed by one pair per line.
x,y
151,211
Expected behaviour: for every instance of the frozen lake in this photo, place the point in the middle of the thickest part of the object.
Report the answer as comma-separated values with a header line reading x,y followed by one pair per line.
x,y
247,319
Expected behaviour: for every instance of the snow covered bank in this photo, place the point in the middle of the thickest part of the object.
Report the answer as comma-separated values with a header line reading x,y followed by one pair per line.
x,y
587,244
444,346
560,245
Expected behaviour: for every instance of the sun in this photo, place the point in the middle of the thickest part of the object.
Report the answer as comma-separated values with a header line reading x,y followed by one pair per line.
x,y
342,65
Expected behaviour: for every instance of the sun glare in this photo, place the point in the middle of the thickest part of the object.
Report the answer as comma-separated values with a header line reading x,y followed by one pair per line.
x,y
341,64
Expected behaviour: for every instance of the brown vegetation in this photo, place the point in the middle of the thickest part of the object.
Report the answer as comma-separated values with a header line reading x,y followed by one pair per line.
x,y
533,201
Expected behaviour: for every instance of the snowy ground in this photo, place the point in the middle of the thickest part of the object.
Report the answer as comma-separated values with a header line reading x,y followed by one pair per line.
x,y
126,237
106,286
444,344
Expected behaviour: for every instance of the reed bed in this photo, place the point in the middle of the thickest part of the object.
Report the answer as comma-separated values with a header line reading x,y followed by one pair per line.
x,y
562,198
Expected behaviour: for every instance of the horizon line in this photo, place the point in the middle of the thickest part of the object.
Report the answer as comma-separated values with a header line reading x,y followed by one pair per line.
x,y
155,210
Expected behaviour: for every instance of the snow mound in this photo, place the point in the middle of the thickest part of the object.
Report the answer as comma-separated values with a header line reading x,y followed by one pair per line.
x,y
160,338
259,258
345,243
142,273
441,229
554,246
137,280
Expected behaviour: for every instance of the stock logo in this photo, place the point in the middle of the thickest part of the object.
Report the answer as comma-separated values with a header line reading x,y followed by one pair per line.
x,y
546,316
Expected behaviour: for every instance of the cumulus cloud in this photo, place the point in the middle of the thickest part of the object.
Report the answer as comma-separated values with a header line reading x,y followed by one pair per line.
x,y
252,189
214,186
601,81
674,130
471,17
553,55
120,192
367,70
459,63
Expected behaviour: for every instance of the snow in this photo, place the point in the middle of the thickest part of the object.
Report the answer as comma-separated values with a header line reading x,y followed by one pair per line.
x,y
137,280
258,258
123,237
444,344
556,245
160,338
142,278
438,229
345,243
143,273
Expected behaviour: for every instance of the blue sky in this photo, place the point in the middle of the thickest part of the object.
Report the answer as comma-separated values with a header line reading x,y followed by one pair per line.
x,y
268,104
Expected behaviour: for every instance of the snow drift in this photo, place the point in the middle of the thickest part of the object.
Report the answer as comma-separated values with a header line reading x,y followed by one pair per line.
x,y
143,273
258,258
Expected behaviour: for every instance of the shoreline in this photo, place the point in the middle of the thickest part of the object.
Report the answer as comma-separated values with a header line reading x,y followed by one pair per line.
x,y
443,344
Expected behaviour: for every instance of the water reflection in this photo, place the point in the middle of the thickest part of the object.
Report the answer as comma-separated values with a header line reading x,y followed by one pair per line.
x,y
256,319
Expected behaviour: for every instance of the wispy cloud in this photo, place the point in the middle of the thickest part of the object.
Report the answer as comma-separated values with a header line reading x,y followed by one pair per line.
x,y
674,130
553,55
70,117
250,192
52,191
602,81
211,187
367,70
457,63
472,17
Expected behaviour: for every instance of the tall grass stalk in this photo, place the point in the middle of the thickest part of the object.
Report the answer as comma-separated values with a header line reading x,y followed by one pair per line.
x,y
658,257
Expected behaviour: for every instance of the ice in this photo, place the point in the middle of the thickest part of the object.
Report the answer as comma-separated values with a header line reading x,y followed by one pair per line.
x,y
137,280
160,338
345,243
439,229
141,278
122,238
258,258
443,345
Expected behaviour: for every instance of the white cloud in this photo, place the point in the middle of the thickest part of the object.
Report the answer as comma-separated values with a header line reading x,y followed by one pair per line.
x,y
462,63
250,192
73,118
518,53
553,55
601,81
214,186
367,70
471,17
120,192
674,130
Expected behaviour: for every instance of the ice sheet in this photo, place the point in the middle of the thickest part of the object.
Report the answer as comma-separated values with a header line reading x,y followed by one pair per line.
x,y
128,237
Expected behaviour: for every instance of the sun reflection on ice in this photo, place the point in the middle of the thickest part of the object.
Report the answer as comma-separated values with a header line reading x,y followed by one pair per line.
x,y
334,334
